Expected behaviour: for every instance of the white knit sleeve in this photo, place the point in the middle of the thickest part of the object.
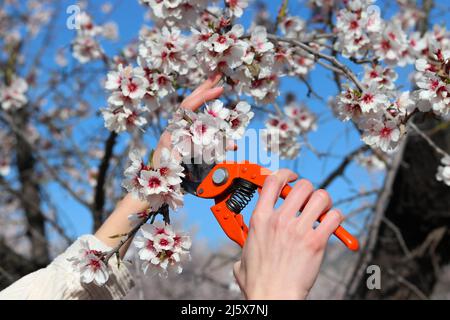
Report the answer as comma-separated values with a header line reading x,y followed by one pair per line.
x,y
59,281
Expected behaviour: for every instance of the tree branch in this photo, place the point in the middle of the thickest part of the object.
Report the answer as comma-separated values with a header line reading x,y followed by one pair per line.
x,y
99,197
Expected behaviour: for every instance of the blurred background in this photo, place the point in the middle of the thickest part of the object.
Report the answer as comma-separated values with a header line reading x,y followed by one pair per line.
x,y
61,169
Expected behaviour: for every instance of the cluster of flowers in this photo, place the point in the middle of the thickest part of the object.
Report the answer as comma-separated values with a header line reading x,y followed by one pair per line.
x,y
252,64
379,110
14,96
157,184
282,133
361,32
133,91
161,249
175,12
85,46
90,264
433,81
360,29
205,135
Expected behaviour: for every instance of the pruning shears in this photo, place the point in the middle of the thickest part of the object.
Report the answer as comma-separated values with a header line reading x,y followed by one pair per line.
x,y
232,185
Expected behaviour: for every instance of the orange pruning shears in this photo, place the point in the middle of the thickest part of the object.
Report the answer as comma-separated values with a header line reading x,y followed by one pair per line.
x,y
232,185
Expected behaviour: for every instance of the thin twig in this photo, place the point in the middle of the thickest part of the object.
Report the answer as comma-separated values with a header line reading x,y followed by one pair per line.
x,y
428,140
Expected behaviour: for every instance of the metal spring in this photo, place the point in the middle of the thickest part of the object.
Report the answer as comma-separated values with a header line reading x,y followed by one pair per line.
x,y
241,193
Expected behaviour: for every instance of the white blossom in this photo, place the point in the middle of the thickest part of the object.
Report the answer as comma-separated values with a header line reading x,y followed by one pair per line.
x,y
14,95
162,249
90,265
443,173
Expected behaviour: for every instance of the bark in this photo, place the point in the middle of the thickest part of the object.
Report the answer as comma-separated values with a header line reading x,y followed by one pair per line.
x,y
413,237
99,198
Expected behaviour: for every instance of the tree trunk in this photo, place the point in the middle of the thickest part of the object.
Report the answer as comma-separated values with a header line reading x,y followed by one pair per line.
x,y
30,189
412,240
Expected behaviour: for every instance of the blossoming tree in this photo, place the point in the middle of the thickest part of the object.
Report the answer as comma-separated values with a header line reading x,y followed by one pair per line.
x,y
46,109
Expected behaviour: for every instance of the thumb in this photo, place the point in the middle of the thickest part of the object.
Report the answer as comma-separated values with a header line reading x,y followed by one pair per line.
x,y
237,273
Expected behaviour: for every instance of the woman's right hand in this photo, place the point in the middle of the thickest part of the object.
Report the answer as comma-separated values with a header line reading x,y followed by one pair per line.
x,y
283,252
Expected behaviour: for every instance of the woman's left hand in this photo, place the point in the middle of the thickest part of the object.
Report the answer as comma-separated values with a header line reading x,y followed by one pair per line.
x,y
205,92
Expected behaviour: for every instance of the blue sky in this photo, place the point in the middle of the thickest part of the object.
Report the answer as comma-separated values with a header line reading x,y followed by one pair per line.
x,y
332,135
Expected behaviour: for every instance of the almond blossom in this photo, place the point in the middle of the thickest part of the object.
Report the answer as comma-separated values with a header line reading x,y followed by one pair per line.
x,y
14,95
162,249
303,119
356,26
281,137
236,7
157,184
384,135
90,264
86,46
205,135
433,81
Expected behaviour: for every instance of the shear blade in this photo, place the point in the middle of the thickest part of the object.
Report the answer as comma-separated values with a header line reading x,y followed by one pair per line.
x,y
194,175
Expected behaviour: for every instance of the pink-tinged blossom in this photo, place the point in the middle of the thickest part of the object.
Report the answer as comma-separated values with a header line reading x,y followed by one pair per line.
x,y
433,81
303,119
292,26
236,7
180,13
224,51
166,50
356,28
381,134
205,135
158,184
239,119
280,137
121,119
217,110
90,265
86,48
259,41
391,45
347,106
372,99
383,78
169,168
162,249
152,182
14,95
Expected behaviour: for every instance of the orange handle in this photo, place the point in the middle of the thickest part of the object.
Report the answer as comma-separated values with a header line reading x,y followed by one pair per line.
x,y
350,241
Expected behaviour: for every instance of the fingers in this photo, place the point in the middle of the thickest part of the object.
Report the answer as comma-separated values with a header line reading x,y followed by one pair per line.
x,y
297,198
330,223
319,203
203,93
209,83
231,146
193,102
272,188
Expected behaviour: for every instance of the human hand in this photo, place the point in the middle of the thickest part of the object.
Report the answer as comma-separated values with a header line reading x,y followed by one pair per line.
x,y
205,92
117,222
283,252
